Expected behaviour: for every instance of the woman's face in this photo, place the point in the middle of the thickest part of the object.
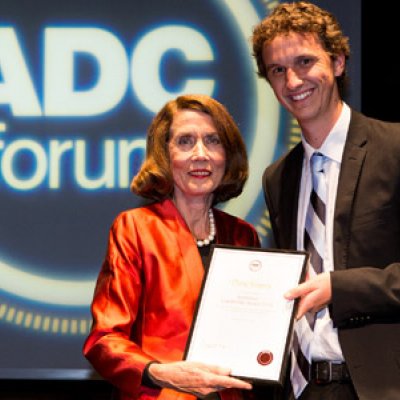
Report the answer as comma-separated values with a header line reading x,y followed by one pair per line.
x,y
197,156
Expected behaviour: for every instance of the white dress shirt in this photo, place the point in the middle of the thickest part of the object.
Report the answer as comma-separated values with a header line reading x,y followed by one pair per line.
x,y
325,344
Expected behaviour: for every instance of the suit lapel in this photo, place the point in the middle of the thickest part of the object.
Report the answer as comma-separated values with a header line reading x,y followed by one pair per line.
x,y
351,168
290,197
181,238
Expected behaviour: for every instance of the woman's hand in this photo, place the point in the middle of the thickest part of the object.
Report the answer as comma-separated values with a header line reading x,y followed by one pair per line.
x,y
194,378
315,293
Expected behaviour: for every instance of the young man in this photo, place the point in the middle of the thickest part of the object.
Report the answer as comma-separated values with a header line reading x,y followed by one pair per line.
x,y
347,336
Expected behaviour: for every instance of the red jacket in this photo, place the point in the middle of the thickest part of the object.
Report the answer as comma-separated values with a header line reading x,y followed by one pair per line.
x,y
146,294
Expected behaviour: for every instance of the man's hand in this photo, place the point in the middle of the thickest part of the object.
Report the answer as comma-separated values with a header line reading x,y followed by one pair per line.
x,y
194,378
315,293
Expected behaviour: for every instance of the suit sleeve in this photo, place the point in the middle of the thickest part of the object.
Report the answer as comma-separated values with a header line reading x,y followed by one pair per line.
x,y
365,295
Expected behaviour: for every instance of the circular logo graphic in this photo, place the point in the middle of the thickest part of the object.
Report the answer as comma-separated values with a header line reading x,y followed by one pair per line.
x,y
88,85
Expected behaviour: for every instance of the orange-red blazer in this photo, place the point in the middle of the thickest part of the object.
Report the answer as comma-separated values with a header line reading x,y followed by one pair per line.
x,y
146,294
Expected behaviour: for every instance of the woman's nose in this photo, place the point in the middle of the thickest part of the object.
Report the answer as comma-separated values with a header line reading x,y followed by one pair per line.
x,y
200,150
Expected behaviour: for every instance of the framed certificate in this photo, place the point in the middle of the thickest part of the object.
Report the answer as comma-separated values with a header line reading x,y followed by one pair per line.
x,y
242,320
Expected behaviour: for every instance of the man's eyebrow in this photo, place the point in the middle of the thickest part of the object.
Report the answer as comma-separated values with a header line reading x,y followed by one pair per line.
x,y
268,67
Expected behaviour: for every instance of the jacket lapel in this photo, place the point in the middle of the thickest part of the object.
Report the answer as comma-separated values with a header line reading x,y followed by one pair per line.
x,y
352,164
290,197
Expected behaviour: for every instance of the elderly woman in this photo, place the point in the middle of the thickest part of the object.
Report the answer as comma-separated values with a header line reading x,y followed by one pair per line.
x,y
150,280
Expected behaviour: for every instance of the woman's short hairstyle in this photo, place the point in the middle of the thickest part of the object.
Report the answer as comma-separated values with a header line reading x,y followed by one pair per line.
x,y
302,17
154,179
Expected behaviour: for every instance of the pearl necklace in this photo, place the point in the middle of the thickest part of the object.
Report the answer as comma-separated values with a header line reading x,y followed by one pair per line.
x,y
211,236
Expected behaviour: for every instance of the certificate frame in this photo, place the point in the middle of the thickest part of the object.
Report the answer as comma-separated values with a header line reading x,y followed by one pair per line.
x,y
242,321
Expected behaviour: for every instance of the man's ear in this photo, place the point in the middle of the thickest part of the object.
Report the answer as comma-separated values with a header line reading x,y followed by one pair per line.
x,y
339,64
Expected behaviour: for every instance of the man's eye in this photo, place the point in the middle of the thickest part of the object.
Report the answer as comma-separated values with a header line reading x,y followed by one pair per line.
x,y
276,71
306,62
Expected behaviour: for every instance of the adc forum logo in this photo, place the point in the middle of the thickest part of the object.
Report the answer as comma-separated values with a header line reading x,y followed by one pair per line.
x,y
77,93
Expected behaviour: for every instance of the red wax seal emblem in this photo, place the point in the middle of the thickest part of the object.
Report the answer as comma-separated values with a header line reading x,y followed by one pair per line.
x,y
265,357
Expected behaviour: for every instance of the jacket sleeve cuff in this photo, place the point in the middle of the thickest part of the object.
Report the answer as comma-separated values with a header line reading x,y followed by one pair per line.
x,y
146,379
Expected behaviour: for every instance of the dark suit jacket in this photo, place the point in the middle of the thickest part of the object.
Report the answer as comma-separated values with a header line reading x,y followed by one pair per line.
x,y
366,281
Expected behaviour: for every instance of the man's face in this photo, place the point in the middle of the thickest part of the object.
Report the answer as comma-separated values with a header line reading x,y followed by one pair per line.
x,y
302,75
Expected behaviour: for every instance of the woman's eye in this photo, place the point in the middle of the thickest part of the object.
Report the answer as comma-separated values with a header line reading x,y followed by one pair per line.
x,y
185,140
212,139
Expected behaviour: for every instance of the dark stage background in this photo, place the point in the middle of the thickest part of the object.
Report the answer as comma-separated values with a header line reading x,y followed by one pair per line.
x,y
380,61
375,85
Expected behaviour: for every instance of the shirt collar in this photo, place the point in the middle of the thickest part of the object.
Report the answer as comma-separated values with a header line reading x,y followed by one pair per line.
x,y
333,145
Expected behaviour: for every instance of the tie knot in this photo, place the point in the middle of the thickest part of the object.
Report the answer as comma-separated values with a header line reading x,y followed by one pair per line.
x,y
318,175
317,162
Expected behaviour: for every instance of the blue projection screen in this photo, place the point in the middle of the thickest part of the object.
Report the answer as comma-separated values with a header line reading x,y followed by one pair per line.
x,y
79,84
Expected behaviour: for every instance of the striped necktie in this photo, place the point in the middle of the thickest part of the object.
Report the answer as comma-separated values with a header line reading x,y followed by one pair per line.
x,y
314,243
314,233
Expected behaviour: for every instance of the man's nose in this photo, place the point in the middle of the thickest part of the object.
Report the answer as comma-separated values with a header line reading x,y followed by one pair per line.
x,y
293,80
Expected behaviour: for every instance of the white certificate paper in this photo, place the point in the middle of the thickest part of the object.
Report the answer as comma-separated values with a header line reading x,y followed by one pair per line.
x,y
242,321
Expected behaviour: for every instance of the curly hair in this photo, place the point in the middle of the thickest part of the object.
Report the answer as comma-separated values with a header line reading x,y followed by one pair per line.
x,y
301,17
154,179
